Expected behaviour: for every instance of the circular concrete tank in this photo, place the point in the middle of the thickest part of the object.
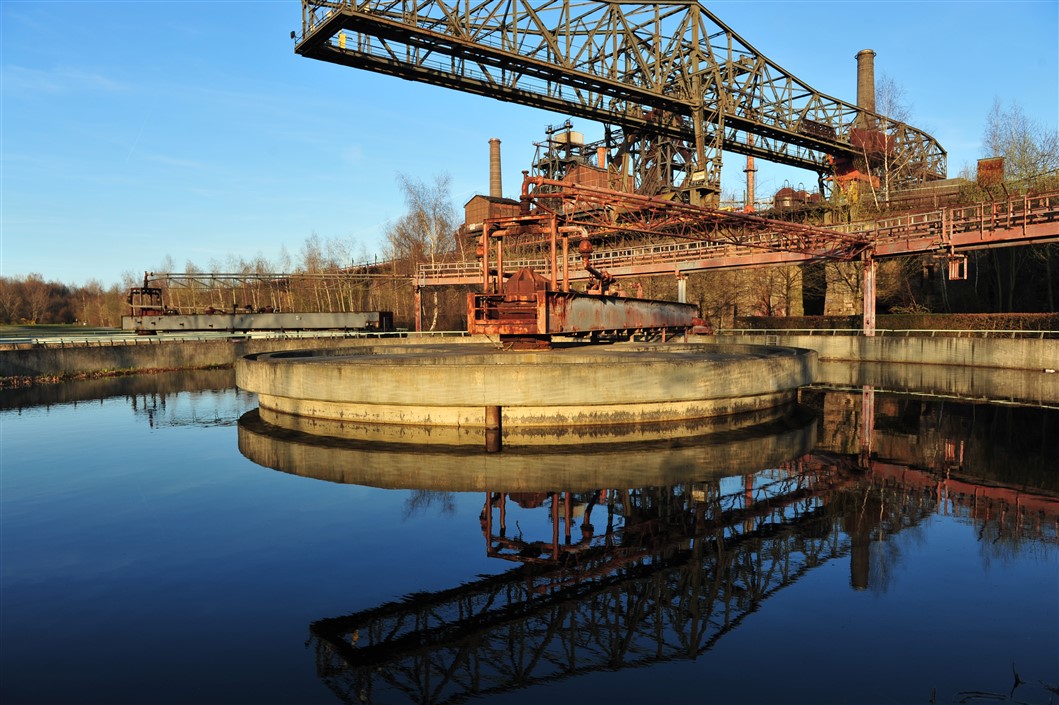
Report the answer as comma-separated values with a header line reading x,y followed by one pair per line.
x,y
441,394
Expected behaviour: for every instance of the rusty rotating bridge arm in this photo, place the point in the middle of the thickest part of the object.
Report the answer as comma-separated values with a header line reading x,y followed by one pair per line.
x,y
671,68
602,212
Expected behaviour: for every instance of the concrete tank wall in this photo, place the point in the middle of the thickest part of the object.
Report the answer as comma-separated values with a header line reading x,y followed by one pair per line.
x,y
435,386
1015,354
153,354
32,360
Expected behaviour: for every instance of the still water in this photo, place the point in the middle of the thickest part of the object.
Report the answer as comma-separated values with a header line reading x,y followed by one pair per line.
x,y
160,543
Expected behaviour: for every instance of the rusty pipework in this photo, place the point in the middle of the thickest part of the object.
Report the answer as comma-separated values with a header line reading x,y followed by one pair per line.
x,y
603,278
616,212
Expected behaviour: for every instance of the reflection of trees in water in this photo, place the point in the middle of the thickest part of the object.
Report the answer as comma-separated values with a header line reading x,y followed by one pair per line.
x,y
1008,444
1003,540
199,408
420,500
163,384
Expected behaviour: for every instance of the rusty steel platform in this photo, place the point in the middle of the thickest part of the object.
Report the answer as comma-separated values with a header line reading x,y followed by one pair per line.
x,y
548,313
528,312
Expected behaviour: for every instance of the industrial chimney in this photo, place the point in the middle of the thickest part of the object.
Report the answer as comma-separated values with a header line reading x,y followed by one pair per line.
x,y
496,186
866,80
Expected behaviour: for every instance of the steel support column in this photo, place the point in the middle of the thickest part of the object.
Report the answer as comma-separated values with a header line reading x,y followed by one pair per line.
x,y
869,296
419,308
867,423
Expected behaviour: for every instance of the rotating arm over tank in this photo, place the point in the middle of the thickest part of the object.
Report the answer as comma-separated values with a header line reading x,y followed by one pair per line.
x,y
668,68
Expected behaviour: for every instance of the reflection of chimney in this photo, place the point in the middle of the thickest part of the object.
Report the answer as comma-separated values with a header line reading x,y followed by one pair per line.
x,y
496,187
866,79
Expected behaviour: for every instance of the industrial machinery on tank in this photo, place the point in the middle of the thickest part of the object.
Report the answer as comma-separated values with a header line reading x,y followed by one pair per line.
x,y
145,300
526,309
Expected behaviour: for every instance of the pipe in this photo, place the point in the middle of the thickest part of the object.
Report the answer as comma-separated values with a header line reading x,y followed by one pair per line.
x,y
748,206
566,231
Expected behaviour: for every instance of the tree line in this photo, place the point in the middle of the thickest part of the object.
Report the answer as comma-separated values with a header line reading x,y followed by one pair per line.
x,y
326,274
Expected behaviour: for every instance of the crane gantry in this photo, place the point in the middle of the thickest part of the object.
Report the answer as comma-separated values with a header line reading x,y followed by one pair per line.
x,y
668,77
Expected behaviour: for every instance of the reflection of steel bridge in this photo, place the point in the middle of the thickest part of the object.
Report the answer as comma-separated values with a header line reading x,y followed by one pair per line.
x,y
674,571
660,586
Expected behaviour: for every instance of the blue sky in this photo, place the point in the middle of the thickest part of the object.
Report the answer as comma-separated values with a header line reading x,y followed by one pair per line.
x,y
133,131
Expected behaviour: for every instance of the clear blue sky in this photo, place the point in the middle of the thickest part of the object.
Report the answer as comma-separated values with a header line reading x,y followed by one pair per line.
x,y
136,130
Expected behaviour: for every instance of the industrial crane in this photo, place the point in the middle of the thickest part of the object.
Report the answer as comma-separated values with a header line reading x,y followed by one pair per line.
x,y
673,85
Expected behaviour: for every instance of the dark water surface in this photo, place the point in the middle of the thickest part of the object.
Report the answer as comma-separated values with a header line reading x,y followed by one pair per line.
x,y
160,543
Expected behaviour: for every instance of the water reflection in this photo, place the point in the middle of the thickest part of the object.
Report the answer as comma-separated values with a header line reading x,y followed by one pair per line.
x,y
555,462
161,384
651,553
195,398
975,384
870,533
632,578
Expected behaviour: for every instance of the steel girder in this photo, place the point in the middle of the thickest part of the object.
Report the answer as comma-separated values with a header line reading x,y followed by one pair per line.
x,y
664,68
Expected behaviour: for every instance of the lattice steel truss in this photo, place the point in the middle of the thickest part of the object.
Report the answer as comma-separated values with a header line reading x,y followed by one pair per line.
x,y
333,292
662,70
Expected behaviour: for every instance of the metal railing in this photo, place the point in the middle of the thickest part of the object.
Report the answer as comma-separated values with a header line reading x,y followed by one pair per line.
x,y
939,225
117,340
897,332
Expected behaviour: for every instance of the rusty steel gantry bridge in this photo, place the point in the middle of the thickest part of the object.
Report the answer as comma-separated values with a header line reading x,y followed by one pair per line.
x,y
674,86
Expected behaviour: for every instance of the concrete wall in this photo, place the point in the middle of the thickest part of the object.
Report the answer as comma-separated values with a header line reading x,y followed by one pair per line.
x,y
30,360
1017,354
33,361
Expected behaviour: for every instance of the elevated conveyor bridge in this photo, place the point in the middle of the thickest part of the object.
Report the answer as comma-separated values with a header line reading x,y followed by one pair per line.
x,y
669,75
692,239
679,238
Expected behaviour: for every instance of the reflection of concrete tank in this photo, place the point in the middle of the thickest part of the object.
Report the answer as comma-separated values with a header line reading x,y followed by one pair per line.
x,y
573,461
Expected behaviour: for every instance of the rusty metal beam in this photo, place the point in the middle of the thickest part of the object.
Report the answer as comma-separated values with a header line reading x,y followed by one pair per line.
x,y
550,313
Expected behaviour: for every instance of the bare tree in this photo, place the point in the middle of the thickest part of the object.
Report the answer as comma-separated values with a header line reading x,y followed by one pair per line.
x,y
11,301
37,294
885,166
426,231
1031,160
1030,150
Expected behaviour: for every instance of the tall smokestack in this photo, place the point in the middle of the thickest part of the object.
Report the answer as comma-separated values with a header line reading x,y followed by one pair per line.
x,y
866,79
496,186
